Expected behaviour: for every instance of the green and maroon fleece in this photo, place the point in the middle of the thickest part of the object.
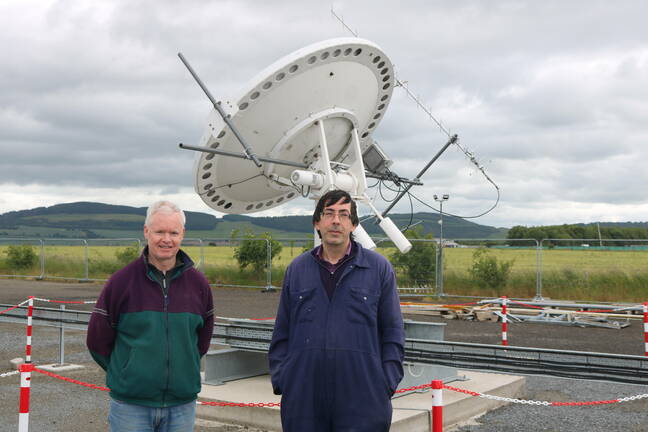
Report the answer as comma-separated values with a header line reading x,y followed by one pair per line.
x,y
149,331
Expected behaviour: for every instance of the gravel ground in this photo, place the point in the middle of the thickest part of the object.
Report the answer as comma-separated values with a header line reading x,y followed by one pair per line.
x,y
627,416
59,406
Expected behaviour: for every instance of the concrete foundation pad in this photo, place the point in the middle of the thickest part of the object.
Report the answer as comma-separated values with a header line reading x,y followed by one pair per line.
x,y
16,362
411,412
56,368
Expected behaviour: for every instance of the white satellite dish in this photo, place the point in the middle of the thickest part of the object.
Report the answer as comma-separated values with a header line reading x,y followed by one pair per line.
x,y
309,118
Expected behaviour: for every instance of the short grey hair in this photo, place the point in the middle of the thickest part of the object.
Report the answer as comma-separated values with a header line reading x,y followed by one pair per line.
x,y
164,207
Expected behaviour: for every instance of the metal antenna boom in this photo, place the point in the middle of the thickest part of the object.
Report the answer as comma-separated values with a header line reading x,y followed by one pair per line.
x,y
242,156
451,141
248,151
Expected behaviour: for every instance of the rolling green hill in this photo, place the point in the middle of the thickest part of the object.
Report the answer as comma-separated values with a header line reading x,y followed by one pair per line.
x,y
97,220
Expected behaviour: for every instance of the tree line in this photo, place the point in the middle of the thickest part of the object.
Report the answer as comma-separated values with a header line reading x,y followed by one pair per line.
x,y
577,232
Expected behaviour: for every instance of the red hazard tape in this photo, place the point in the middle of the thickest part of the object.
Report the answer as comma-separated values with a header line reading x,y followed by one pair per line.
x,y
241,404
71,380
14,307
26,368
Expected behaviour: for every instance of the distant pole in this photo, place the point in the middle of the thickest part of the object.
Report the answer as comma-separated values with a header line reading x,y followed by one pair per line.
x,y
439,270
598,227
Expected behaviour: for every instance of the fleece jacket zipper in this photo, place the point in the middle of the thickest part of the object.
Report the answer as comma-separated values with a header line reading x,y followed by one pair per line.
x,y
165,292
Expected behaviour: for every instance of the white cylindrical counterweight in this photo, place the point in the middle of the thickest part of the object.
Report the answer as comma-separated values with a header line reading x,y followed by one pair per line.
x,y
307,178
361,236
395,235
345,181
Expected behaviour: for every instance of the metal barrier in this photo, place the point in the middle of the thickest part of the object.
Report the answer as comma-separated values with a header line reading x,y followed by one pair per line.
x,y
255,335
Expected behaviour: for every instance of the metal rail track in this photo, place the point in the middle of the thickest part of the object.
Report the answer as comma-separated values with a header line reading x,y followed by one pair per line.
x,y
256,335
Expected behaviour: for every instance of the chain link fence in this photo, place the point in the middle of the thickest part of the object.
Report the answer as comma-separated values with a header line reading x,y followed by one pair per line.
x,y
553,268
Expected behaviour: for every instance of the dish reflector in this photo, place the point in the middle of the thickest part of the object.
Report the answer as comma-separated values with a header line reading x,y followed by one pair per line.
x,y
347,83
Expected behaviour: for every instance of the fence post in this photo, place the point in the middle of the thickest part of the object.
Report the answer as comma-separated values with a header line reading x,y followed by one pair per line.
x,y
538,295
504,322
268,287
25,374
437,406
42,260
30,311
23,412
202,254
62,337
645,314
86,260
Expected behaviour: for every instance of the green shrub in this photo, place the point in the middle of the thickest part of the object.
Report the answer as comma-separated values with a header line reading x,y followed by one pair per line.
x,y
103,268
128,254
487,272
253,251
419,264
21,257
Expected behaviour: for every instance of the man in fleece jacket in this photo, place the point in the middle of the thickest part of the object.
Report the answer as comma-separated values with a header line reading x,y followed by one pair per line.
x,y
152,323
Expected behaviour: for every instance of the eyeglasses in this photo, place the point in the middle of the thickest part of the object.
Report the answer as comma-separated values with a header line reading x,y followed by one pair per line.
x,y
330,215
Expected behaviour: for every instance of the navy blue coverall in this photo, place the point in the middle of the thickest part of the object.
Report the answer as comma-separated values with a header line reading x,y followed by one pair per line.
x,y
337,362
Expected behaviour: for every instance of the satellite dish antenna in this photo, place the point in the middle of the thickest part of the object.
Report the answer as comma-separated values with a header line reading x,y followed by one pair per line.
x,y
304,123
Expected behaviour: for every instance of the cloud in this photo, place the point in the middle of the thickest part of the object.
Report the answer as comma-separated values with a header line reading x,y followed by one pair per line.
x,y
550,97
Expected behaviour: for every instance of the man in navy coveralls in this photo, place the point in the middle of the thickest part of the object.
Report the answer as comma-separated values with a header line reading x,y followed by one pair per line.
x,y
337,348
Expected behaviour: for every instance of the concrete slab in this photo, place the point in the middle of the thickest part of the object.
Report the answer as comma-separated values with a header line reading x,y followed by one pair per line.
x,y
411,412
56,367
16,362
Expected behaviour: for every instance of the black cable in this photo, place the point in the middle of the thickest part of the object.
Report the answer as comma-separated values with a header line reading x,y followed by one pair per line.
x,y
459,216
373,185
396,191
380,186
232,184
409,224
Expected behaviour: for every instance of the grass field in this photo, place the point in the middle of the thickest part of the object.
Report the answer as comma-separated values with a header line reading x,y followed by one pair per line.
x,y
602,275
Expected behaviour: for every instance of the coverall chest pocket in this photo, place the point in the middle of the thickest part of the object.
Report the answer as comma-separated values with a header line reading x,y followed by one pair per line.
x,y
304,305
363,306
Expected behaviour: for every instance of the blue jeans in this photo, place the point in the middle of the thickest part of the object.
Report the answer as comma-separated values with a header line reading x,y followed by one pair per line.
x,y
125,417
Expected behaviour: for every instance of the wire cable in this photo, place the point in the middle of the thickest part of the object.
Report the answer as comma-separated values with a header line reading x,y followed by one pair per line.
x,y
459,216
232,184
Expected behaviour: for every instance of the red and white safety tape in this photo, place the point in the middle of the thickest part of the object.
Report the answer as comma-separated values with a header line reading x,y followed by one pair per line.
x,y
65,301
14,307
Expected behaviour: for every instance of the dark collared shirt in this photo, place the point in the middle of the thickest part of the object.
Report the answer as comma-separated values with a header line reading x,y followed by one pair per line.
x,y
331,273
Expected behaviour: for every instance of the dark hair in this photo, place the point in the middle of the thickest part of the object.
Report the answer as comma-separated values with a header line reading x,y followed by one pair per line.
x,y
330,198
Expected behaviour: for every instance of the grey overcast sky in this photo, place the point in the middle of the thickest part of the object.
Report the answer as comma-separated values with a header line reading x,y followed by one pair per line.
x,y
551,97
